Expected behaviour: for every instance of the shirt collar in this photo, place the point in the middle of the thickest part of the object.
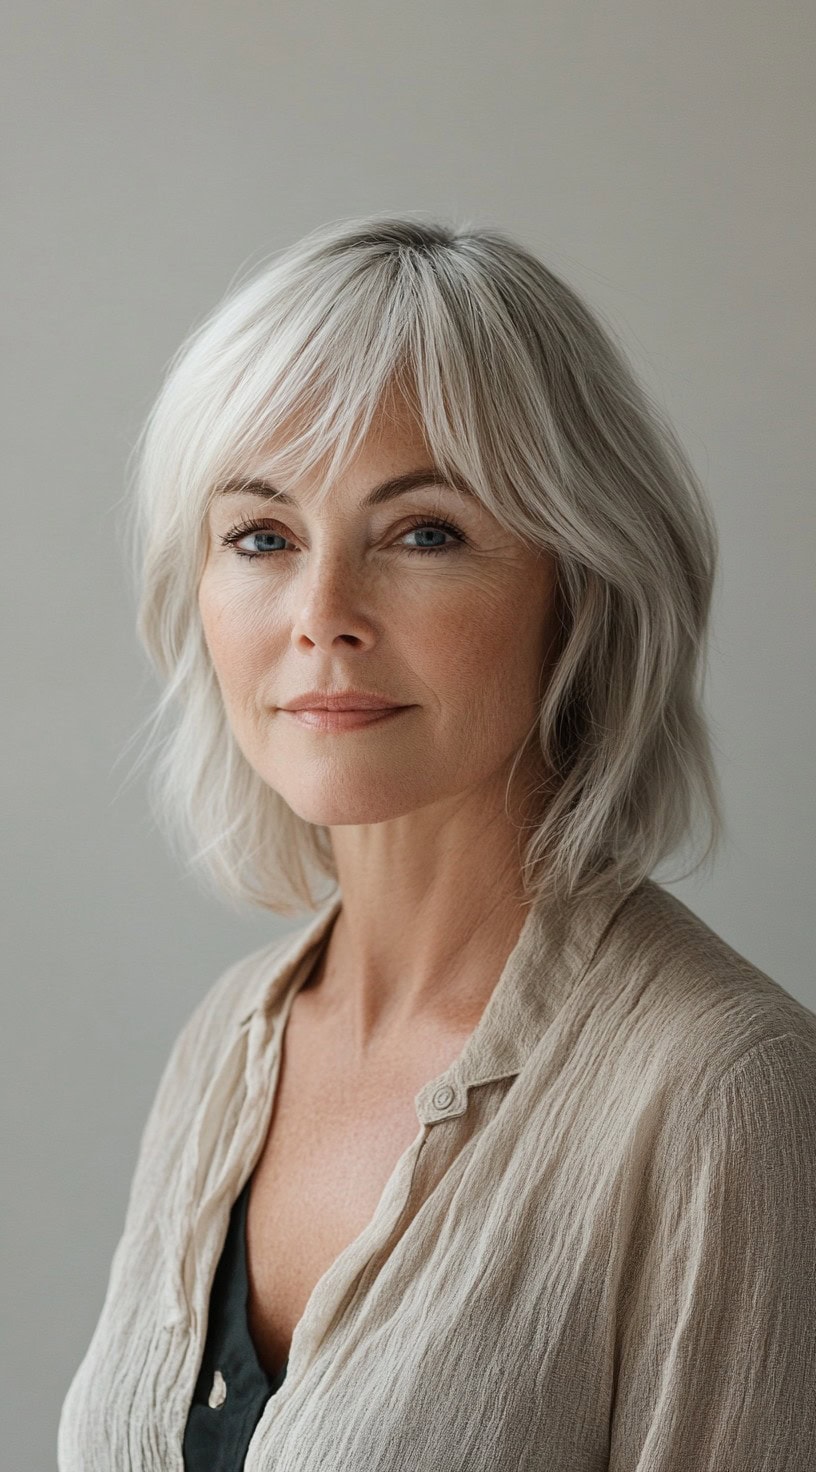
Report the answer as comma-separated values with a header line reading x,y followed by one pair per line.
x,y
554,950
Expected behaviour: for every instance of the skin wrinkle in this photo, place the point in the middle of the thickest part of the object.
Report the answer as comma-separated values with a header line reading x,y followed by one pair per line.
x,y
427,859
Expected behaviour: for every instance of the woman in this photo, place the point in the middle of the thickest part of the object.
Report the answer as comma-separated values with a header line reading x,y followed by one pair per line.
x,y
504,1159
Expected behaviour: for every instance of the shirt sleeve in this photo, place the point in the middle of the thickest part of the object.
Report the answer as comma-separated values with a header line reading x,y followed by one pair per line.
x,y
716,1366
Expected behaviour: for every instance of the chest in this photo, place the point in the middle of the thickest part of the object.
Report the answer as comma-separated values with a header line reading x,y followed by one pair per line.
x,y
333,1141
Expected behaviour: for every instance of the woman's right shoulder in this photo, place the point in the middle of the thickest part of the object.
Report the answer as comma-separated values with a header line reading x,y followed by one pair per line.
x,y
226,1007
196,1055
253,983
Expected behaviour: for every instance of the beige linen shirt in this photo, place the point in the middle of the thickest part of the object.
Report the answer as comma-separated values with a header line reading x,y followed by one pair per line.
x,y
599,1252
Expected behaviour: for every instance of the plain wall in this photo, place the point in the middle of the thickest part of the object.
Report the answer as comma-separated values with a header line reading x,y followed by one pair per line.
x,y
659,157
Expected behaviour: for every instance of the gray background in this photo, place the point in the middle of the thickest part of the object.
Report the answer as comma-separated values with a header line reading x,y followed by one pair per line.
x,y
658,156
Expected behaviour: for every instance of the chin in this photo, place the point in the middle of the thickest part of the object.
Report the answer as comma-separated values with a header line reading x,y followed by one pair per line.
x,y
335,809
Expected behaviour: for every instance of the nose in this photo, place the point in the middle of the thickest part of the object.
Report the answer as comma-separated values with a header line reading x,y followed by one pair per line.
x,y
330,605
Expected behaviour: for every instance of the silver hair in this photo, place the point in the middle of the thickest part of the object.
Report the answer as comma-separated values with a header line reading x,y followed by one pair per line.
x,y
526,396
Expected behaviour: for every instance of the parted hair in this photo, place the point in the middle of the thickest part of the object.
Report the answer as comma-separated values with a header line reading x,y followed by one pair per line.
x,y
524,393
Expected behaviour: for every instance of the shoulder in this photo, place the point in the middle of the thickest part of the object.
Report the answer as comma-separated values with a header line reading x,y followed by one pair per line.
x,y
683,1046
222,1009
691,1002
213,1038
254,982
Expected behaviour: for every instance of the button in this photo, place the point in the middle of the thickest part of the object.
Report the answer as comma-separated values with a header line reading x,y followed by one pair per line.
x,y
218,1394
444,1097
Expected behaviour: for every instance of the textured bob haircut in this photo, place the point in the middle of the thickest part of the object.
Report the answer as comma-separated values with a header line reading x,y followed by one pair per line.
x,y
524,395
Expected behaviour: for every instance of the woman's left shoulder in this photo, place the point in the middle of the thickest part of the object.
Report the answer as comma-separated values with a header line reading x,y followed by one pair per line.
x,y
699,1001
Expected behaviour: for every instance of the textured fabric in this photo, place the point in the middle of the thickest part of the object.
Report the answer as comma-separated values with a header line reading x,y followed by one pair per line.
x,y
599,1251
232,1387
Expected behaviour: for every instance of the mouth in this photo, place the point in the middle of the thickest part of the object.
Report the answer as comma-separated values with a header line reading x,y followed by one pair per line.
x,y
319,718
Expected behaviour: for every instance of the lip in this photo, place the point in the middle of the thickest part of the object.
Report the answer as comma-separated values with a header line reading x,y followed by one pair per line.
x,y
342,700
343,720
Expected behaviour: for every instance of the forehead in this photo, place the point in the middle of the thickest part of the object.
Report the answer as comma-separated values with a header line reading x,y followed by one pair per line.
x,y
392,457
394,432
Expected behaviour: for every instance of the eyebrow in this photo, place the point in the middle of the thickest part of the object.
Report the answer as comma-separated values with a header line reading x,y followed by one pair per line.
x,y
396,486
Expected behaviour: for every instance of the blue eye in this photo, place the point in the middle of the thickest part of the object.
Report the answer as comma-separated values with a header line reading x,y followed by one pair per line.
x,y
263,528
248,528
423,523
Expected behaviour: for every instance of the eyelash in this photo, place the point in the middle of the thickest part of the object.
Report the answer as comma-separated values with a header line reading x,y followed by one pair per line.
x,y
243,529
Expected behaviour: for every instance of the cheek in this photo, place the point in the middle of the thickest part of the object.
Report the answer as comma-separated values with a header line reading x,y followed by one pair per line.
x,y
237,639
485,647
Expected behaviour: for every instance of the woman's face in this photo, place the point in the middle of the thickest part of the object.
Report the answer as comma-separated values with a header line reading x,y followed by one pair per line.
x,y
343,596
